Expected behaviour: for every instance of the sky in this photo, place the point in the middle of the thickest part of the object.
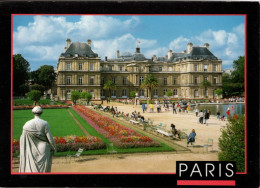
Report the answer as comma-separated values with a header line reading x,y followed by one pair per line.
x,y
42,38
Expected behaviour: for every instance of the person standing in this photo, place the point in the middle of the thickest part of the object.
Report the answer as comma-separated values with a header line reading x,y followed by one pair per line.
x,y
151,107
197,112
174,109
218,115
143,107
206,117
36,145
201,117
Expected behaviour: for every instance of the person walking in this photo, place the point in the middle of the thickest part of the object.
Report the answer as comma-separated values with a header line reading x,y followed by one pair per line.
x,y
206,117
143,107
201,117
174,109
218,115
191,137
197,112
151,107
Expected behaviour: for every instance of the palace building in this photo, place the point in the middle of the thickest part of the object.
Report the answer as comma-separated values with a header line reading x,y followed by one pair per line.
x,y
80,69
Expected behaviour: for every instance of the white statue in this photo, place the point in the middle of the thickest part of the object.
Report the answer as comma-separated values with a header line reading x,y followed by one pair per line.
x,y
36,145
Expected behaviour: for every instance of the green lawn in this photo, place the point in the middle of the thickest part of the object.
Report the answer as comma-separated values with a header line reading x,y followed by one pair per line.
x,y
60,122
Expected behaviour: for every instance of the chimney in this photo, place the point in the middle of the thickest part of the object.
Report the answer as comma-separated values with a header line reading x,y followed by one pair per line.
x,y
189,47
169,54
117,54
68,41
137,49
89,42
206,45
154,58
185,51
105,58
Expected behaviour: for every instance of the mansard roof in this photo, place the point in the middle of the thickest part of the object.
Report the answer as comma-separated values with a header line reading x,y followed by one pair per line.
x,y
81,49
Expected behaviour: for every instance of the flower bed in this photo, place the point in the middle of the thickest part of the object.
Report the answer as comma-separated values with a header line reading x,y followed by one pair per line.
x,y
70,143
42,106
120,135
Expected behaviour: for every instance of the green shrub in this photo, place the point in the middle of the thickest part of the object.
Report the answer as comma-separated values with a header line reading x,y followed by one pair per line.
x,y
132,93
75,95
232,142
34,95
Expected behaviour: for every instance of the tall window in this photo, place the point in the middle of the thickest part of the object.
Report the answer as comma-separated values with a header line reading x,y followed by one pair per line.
x,y
205,78
102,92
214,67
91,80
175,92
80,90
164,91
80,79
136,69
101,68
91,67
68,80
214,80
205,67
165,81
175,80
196,93
68,66
102,80
160,68
195,80
120,68
114,80
195,68
124,92
141,92
92,93
141,79
155,92
206,92
124,80
113,93
110,67
68,94
80,66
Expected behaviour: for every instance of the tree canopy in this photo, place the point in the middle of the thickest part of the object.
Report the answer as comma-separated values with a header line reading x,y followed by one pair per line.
x,y
21,69
34,95
150,82
109,85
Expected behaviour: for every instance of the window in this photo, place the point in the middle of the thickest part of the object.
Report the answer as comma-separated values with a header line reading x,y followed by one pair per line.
x,y
92,93
155,92
196,93
175,92
195,80
80,66
120,68
165,81
206,92
141,79
68,94
80,80
68,80
91,80
160,68
124,80
91,67
114,80
175,80
124,92
141,92
136,69
205,67
195,68
80,90
164,91
214,80
102,80
110,67
101,68
113,93
68,66
205,78
214,67
102,92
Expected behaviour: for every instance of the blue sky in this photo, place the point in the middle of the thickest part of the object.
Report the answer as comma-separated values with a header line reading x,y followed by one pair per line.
x,y
41,39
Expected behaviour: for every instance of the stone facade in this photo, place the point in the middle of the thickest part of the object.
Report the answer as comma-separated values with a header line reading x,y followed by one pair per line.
x,y
79,68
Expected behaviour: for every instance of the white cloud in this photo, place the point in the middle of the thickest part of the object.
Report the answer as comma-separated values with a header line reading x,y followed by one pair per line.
x,y
220,37
179,44
240,30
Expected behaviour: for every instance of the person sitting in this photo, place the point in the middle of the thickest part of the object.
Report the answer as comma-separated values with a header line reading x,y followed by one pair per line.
x,y
142,119
191,137
175,131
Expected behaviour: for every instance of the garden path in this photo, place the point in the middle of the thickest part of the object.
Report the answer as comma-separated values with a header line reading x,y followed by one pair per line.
x,y
79,124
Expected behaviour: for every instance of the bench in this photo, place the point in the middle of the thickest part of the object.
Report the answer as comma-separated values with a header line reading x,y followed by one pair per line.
x,y
164,133
134,122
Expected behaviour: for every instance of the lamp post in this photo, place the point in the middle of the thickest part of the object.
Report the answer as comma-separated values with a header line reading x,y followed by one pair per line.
x,y
136,97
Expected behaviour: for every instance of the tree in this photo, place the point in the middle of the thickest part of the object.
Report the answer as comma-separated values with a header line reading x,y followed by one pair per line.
x,y
82,95
132,93
108,86
168,93
44,76
75,95
150,82
38,87
218,92
205,84
238,75
232,142
34,95
88,97
21,68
